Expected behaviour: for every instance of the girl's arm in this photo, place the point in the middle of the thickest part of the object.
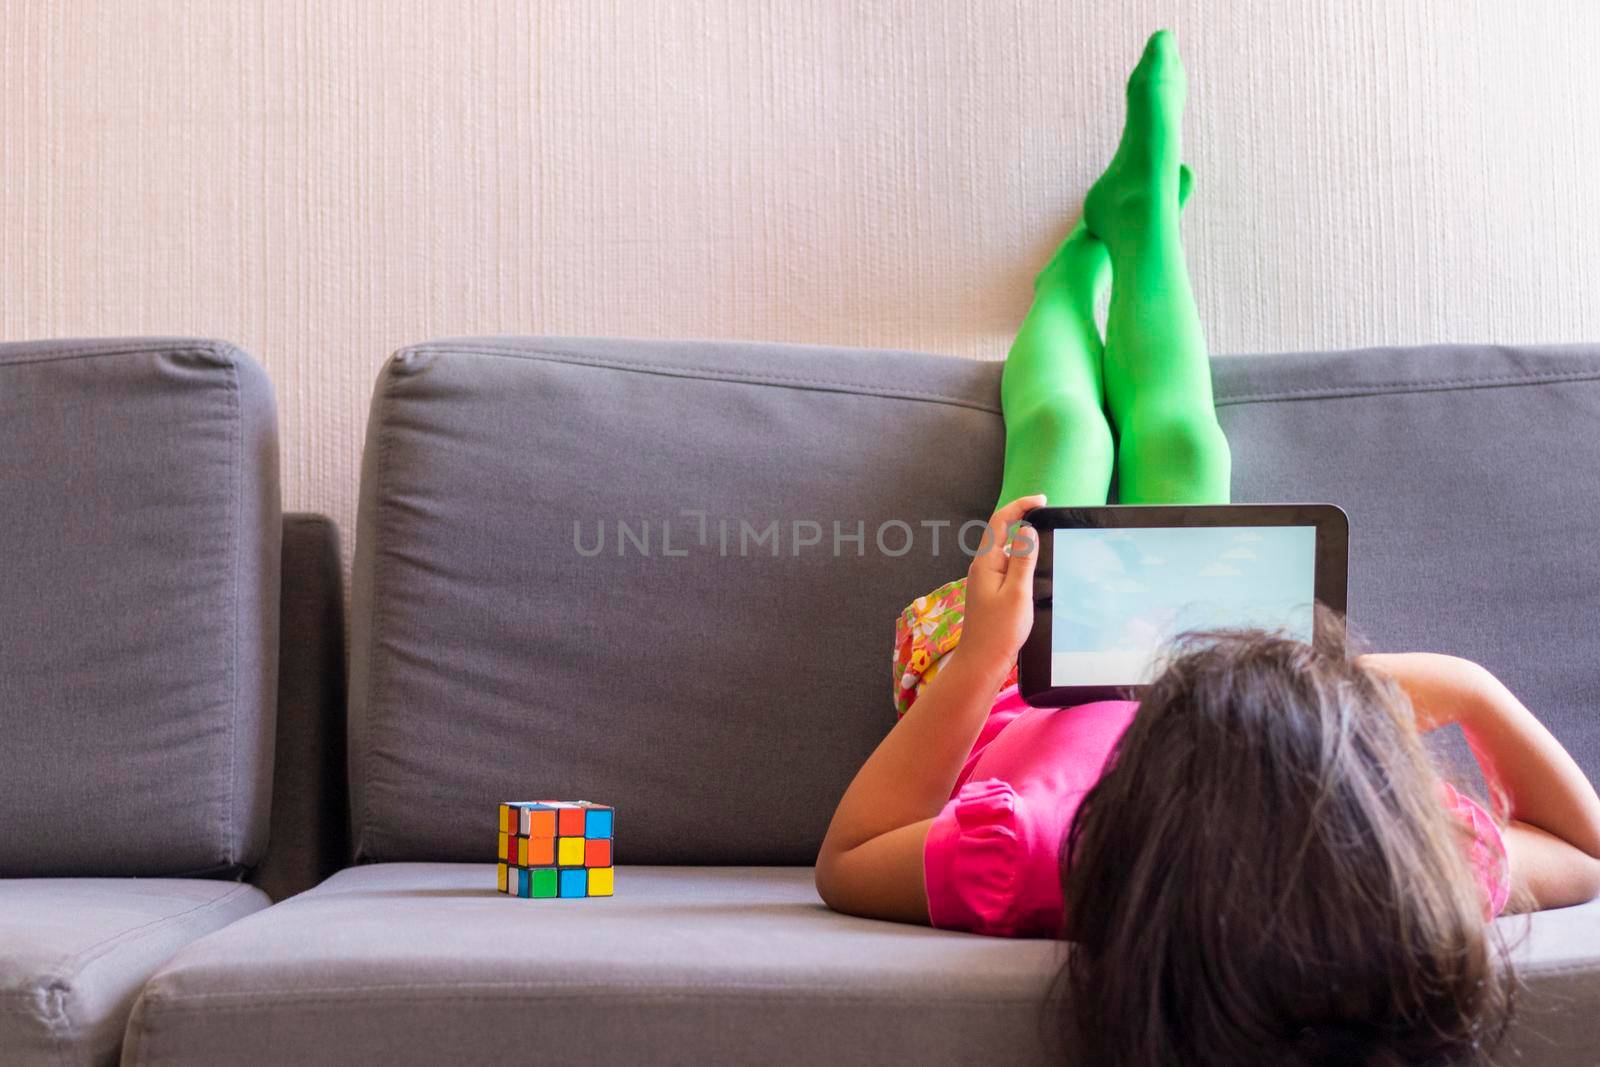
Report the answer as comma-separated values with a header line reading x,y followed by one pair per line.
x,y
871,859
1553,836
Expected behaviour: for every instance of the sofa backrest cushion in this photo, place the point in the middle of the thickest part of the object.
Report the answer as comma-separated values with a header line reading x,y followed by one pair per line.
x,y
139,530
628,572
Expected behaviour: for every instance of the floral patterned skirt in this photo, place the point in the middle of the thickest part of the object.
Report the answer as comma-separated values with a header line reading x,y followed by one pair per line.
x,y
925,635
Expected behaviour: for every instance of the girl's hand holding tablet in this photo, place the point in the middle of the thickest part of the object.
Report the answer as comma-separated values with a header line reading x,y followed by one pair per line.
x,y
1000,588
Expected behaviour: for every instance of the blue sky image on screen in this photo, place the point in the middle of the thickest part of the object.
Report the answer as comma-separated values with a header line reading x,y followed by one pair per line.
x,y
1120,595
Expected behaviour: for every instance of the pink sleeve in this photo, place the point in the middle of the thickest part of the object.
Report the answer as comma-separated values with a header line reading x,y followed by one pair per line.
x,y
1486,852
973,858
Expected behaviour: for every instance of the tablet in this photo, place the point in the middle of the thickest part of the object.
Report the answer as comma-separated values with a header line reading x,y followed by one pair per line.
x,y
1115,584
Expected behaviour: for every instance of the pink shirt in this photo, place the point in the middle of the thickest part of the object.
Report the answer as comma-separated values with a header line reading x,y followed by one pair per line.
x,y
992,860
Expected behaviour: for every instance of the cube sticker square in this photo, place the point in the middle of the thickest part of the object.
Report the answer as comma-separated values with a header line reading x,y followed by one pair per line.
x,y
541,851
541,822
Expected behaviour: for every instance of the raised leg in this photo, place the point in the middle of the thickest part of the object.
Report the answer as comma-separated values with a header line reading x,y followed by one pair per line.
x,y
1157,383
1057,439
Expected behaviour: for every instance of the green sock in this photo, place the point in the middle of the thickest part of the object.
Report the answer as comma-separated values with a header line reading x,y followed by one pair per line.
x,y
1157,375
1057,439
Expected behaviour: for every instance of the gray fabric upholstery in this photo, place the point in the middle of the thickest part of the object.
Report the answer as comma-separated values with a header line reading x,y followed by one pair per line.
x,y
489,659
427,963
74,953
138,603
419,963
310,812
1557,956
722,702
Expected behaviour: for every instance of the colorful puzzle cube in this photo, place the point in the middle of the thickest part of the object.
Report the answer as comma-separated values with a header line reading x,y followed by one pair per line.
x,y
555,848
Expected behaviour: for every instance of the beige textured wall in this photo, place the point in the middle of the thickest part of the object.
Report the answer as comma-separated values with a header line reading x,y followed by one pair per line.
x,y
322,182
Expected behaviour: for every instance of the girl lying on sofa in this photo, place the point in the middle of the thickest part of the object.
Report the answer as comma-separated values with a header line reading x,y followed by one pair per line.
x,y
1257,862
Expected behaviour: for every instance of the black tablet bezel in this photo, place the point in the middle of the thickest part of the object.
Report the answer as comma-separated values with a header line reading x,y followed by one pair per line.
x,y
1331,582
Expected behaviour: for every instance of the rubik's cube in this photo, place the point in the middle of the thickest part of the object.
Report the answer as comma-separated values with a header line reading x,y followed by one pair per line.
x,y
555,848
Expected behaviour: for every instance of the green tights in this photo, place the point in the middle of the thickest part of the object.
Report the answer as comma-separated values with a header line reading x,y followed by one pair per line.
x,y
1065,395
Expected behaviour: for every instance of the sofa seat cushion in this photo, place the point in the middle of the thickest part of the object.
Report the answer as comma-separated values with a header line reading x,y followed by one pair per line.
x,y
425,963
74,953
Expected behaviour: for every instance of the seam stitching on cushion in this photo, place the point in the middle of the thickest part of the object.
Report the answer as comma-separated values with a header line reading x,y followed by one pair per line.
x,y
214,349
76,964
1419,385
713,374
251,1001
1426,385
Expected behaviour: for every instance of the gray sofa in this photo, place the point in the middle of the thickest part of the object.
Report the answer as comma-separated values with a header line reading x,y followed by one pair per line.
x,y
717,670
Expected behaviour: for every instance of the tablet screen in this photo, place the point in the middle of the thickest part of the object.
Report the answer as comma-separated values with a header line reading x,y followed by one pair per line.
x,y
1119,595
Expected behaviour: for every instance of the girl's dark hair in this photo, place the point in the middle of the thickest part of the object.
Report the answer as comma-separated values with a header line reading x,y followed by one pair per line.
x,y
1266,874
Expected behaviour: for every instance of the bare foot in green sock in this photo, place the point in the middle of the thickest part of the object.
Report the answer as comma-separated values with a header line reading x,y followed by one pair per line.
x,y
1081,264
1144,173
